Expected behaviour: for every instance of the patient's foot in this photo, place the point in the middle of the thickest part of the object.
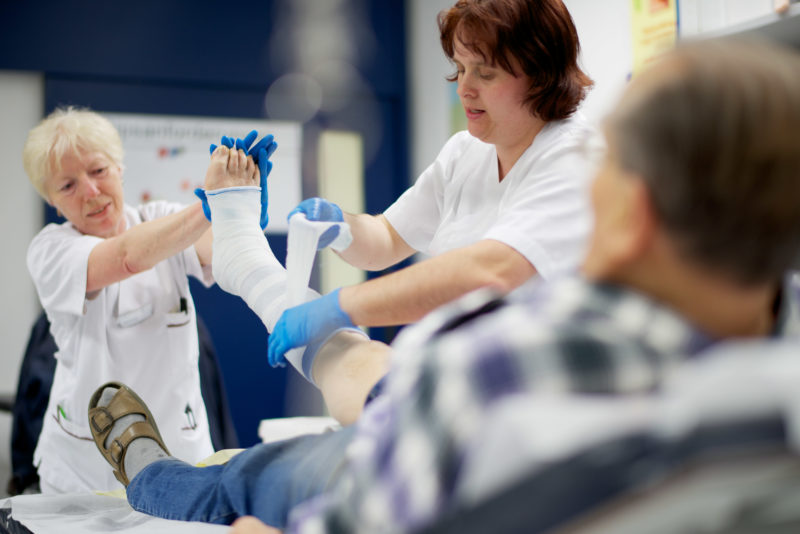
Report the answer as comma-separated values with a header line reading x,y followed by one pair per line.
x,y
124,430
230,168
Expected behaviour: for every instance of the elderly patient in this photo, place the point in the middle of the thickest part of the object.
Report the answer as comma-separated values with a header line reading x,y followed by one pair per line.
x,y
696,227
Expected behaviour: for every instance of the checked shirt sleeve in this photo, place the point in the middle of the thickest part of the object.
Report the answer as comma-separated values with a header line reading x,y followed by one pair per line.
x,y
402,464
421,448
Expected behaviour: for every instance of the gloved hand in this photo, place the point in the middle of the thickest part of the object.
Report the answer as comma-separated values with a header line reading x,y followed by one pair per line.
x,y
298,326
261,153
319,209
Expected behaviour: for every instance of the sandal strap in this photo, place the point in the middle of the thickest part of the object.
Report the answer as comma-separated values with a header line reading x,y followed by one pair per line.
x,y
123,403
119,446
101,419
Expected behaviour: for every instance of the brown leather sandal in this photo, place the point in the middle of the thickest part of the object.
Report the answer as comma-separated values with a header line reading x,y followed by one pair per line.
x,y
102,419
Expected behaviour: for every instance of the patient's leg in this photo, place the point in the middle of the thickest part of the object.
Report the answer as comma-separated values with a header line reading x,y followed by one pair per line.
x,y
244,265
346,369
265,481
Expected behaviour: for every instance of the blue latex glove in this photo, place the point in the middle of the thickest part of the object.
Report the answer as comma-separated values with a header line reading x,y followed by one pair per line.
x,y
319,209
201,194
299,326
261,153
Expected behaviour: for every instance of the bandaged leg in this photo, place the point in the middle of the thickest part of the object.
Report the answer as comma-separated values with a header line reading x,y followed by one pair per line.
x,y
347,364
244,265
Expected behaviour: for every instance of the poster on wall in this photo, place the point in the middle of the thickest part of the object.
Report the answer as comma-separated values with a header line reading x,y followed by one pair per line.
x,y
166,158
655,30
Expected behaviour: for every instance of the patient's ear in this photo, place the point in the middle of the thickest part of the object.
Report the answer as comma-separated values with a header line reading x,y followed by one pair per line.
x,y
643,220
624,227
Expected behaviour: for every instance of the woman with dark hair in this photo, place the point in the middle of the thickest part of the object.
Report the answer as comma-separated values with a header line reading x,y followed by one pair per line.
x,y
503,201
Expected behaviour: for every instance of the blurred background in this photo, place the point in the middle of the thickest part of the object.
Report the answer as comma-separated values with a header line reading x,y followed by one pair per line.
x,y
358,84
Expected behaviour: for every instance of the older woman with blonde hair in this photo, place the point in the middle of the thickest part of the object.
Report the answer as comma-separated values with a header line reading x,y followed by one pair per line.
x,y
113,282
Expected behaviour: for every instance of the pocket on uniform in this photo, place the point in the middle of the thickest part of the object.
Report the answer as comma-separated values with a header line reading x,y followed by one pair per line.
x,y
177,319
190,422
137,298
66,421
135,316
179,316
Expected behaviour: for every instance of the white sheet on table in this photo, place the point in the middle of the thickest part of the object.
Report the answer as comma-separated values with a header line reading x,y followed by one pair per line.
x,y
270,430
81,513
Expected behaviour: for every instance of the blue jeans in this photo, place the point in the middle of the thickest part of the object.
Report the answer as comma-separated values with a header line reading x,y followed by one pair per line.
x,y
265,481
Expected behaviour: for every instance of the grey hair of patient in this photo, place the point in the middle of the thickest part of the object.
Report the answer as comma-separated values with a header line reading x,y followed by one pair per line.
x,y
718,122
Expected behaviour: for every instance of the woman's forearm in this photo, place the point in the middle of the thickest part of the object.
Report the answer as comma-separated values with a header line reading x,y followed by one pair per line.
x,y
143,246
407,295
376,245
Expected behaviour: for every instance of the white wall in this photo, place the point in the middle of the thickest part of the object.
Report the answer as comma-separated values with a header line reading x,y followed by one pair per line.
x,y
723,16
21,213
604,29
428,96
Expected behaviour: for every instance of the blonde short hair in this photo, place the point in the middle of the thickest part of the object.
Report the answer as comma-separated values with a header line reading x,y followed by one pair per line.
x,y
65,131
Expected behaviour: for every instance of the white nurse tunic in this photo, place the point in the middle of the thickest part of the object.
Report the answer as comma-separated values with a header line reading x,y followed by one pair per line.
x,y
541,208
141,331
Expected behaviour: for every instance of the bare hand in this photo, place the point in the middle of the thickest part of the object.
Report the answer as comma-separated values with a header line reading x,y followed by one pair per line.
x,y
251,525
230,168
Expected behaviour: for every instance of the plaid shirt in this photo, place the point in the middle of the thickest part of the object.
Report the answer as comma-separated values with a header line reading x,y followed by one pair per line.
x,y
483,390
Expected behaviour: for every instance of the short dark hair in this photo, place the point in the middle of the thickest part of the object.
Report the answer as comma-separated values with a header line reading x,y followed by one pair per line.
x,y
539,35
714,132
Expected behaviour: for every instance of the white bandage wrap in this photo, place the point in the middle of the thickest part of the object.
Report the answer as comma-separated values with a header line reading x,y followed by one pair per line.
x,y
301,248
243,263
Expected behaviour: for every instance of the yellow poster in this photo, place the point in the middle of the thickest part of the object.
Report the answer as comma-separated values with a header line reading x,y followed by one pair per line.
x,y
655,30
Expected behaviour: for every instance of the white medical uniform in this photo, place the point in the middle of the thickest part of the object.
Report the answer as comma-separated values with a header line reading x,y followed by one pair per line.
x,y
541,208
141,331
